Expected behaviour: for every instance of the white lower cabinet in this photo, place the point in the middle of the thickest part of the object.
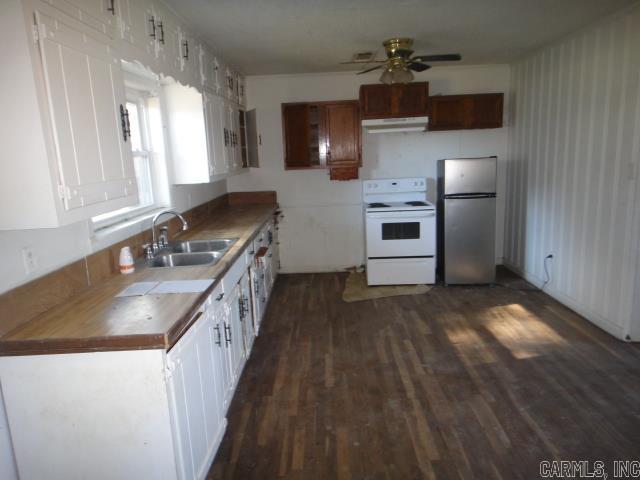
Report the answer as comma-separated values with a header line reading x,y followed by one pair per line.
x,y
246,315
234,334
197,417
219,321
140,413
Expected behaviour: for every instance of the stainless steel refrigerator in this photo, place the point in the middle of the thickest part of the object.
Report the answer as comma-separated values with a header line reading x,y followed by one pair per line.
x,y
466,212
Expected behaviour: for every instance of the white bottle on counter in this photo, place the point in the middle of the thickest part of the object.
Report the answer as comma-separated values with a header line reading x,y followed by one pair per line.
x,y
126,261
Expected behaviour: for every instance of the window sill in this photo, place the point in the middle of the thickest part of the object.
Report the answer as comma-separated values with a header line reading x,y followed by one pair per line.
x,y
106,236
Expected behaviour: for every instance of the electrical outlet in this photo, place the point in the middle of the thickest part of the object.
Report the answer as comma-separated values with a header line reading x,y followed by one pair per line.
x,y
30,260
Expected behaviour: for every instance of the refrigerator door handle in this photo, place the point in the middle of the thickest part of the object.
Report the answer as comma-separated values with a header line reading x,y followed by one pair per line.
x,y
470,195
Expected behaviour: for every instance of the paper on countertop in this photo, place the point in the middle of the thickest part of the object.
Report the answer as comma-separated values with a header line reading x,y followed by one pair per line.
x,y
182,286
137,289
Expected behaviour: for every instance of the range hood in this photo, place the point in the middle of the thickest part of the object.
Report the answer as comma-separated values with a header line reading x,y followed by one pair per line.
x,y
389,125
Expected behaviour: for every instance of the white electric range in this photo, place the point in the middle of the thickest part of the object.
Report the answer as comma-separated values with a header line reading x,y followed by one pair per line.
x,y
400,229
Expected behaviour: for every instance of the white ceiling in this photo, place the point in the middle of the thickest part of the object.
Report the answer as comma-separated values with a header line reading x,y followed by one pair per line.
x,y
299,36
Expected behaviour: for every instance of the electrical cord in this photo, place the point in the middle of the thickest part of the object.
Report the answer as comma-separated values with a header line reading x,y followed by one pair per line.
x,y
534,289
546,272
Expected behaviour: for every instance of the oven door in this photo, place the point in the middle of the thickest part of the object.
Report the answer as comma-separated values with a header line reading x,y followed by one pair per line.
x,y
401,234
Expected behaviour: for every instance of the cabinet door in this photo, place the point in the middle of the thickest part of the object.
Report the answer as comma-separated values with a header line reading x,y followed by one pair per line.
x,y
222,372
487,110
256,295
242,94
295,125
465,112
233,335
375,101
222,350
244,304
343,133
251,122
215,140
221,155
167,44
138,28
98,14
195,414
410,100
85,89
231,139
188,53
237,140
230,84
304,134
187,128
447,112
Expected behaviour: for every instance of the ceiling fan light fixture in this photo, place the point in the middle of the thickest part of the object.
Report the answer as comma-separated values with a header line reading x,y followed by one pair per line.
x,y
387,76
403,75
396,75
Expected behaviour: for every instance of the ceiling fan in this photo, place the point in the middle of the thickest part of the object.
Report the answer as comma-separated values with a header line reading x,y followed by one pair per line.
x,y
400,63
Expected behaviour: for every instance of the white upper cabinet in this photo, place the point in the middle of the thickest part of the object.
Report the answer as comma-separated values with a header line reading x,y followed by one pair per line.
x,y
167,40
66,90
64,99
189,58
214,115
230,78
85,89
210,72
242,98
98,14
138,29
185,118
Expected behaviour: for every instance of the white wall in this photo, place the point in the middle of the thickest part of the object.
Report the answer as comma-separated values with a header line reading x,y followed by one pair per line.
x,y
56,247
574,151
323,225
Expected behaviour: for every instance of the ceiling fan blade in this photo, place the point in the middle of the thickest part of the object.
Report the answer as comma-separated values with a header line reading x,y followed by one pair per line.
x,y
370,69
419,67
447,57
363,63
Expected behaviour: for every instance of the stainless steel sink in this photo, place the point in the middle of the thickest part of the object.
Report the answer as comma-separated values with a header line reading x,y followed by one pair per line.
x,y
185,259
193,246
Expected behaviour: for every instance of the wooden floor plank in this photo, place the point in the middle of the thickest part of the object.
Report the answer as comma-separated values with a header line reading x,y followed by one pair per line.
x,y
461,383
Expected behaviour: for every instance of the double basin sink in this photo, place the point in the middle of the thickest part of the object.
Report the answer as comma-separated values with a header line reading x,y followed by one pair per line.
x,y
191,253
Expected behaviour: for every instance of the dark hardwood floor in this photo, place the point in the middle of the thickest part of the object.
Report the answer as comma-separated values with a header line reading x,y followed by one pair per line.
x,y
460,383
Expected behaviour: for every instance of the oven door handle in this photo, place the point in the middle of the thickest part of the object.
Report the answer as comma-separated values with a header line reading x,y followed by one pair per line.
x,y
392,215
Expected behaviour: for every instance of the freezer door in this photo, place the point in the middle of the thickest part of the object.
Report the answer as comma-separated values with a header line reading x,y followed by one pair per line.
x,y
469,240
470,175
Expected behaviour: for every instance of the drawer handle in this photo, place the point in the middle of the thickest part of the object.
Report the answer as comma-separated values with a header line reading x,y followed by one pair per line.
x,y
219,339
227,334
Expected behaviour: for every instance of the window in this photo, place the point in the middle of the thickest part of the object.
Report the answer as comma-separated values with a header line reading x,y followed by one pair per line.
x,y
144,117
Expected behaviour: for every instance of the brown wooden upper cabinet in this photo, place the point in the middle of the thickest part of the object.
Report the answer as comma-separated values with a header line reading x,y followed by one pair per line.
x,y
321,134
394,101
465,112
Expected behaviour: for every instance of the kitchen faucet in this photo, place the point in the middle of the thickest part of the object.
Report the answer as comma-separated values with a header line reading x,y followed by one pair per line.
x,y
155,245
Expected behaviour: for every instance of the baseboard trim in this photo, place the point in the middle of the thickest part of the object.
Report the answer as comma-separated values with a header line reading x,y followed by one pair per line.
x,y
593,317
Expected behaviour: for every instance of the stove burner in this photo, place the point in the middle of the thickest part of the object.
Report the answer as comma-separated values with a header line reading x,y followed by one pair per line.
x,y
378,205
416,204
